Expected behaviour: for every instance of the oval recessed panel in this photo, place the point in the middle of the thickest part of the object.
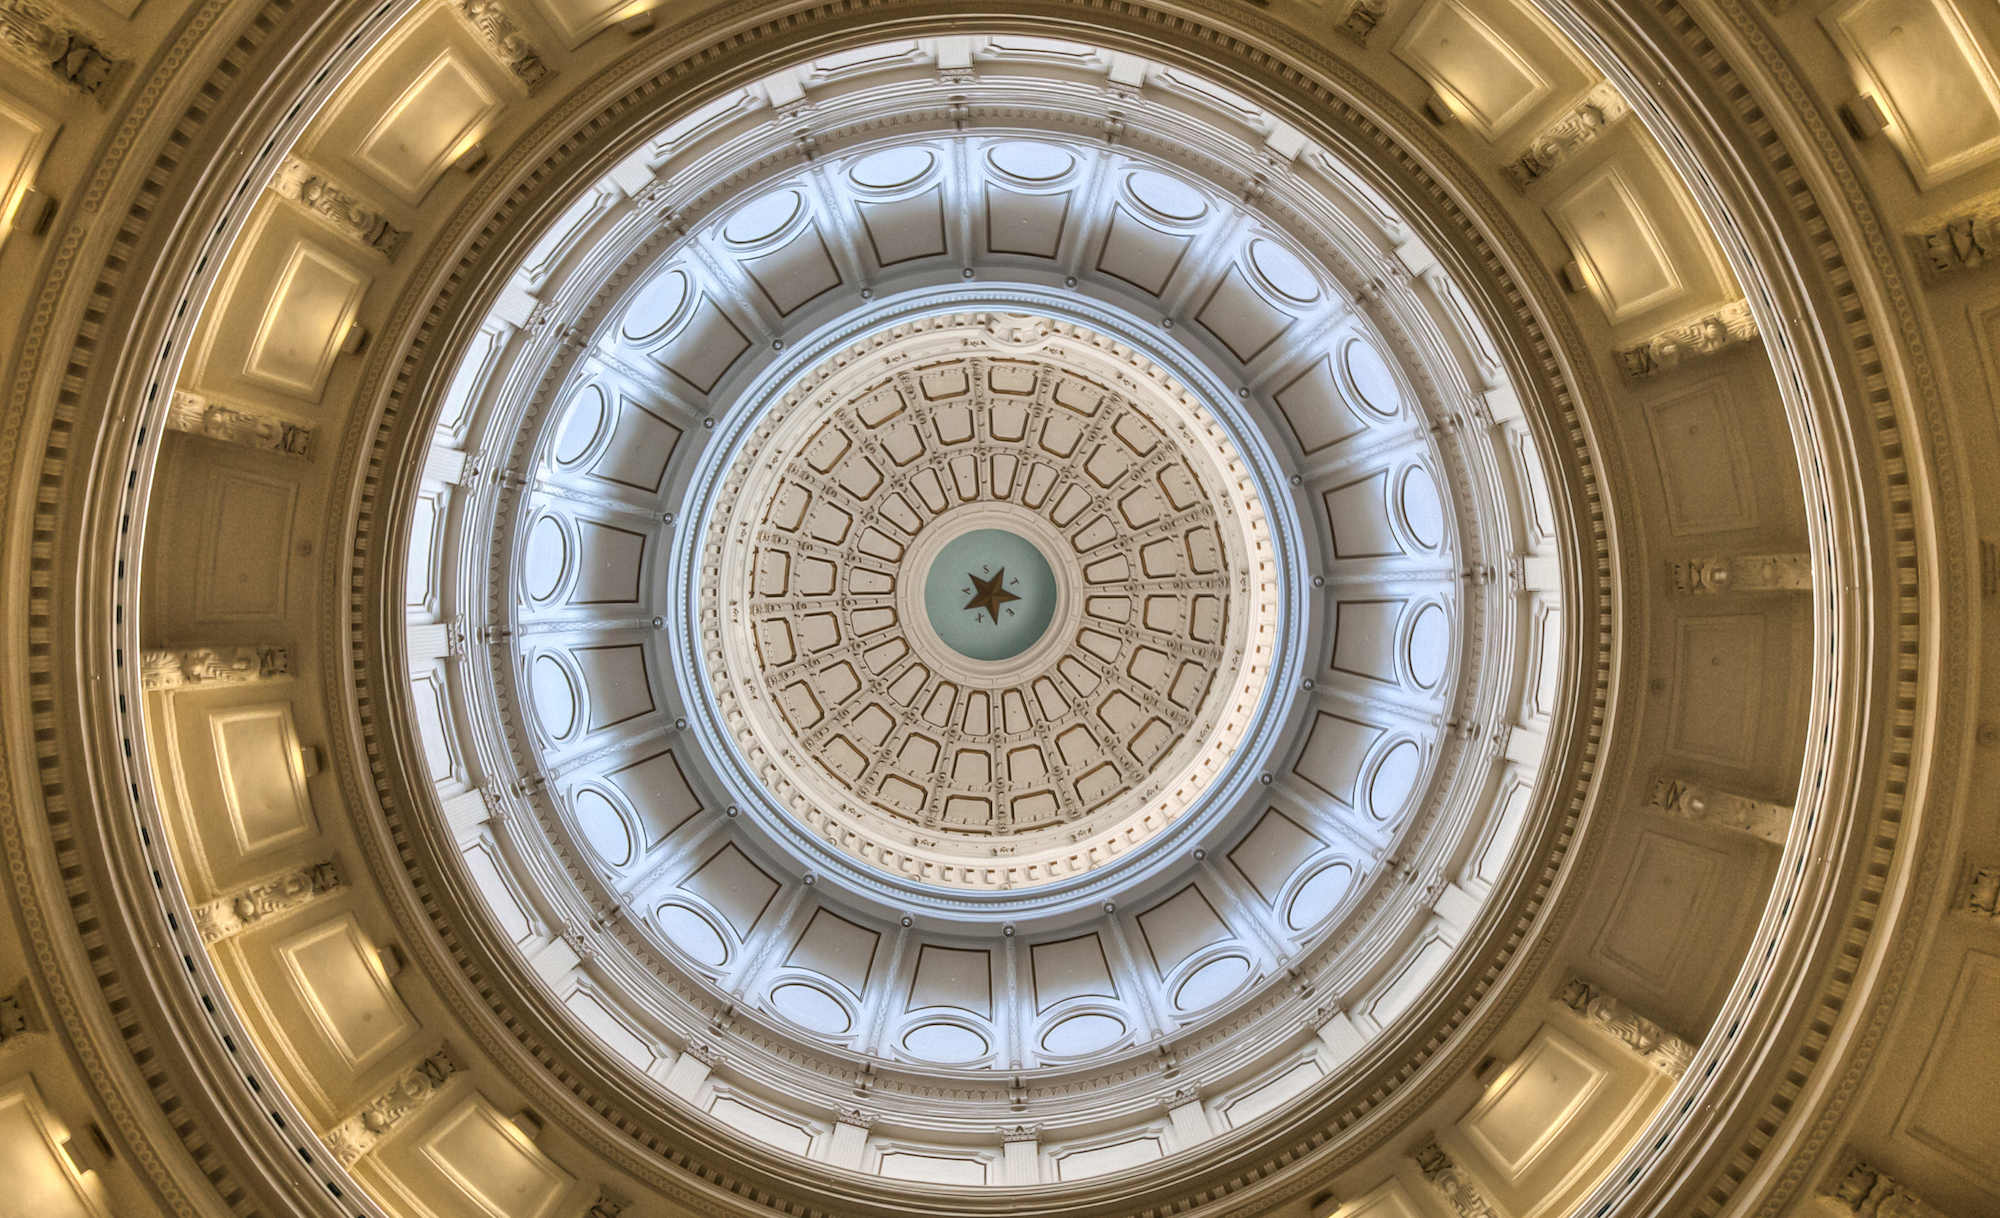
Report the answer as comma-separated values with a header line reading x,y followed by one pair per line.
x,y
763,218
1029,161
546,560
1371,378
603,828
896,167
1423,512
1319,895
1166,197
1085,1033
1284,272
582,423
656,305
1394,779
811,1008
555,696
1430,646
1211,983
693,934
948,1044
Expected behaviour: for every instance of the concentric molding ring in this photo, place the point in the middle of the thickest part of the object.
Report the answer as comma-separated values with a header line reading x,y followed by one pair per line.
x,y
1231,782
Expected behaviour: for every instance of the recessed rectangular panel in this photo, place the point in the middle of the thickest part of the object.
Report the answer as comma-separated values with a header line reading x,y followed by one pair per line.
x,y
1333,753
305,321
442,113
1358,513
641,445
1244,321
905,229
1493,82
1020,223
263,785
426,541
434,724
1070,968
1504,827
764,1126
703,349
349,995
617,681
1718,683
1139,253
1273,852
659,791
610,561
618,1036
1614,234
800,271
24,136
1408,980
1180,926
735,886
1532,1102
1364,638
1646,931
1102,1160
1267,1096
932,1169
1703,462
1955,1108
837,949
245,540
1933,76
952,977
505,905
1391,1200
496,1167
577,20
1316,409
38,1178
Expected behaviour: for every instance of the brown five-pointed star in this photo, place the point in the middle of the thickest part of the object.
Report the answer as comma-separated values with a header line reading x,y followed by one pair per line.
x,y
990,595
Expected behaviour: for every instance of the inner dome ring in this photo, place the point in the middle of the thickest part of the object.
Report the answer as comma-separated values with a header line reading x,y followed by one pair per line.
x,y
924,862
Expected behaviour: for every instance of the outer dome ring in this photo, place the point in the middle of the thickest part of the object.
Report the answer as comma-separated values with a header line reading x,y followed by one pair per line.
x,y
1239,777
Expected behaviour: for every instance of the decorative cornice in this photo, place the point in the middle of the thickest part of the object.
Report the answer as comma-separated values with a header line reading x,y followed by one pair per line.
x,y
1705,335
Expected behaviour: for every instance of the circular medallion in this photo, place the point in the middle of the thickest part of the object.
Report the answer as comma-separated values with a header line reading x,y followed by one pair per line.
x,y
989,594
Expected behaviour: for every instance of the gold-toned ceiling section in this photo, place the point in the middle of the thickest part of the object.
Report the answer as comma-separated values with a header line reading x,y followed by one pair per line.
x,y
1634,240
1499,66
1927,76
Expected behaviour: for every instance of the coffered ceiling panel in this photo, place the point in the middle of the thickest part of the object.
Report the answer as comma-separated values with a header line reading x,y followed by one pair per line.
x,y
1935,67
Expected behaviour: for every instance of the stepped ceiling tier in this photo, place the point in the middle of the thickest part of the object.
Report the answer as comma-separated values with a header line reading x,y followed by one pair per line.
x,y
1284,610
987,606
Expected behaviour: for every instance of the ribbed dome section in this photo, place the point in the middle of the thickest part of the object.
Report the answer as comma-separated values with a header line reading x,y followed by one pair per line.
x,y
851,676
775,479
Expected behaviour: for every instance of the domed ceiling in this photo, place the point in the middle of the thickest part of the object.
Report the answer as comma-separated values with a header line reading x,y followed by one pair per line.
x,y
1108,611
996,608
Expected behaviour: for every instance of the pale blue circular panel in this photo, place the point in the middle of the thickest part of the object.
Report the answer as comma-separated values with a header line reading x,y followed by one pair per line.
x,y
990,594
